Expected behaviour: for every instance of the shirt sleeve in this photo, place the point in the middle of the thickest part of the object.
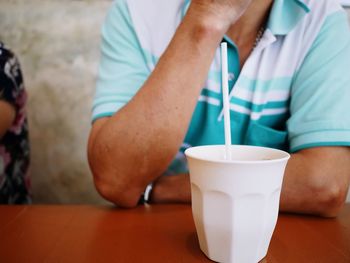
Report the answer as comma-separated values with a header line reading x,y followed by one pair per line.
x,y
123,68
320,95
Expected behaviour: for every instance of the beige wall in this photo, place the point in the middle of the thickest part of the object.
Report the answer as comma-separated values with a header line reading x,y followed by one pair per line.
x,y
57,43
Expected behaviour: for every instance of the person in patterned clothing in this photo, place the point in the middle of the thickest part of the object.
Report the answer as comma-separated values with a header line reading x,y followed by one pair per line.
x,y
14,143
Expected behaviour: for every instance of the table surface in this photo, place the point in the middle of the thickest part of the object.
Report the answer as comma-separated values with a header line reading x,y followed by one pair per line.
x,y
157,233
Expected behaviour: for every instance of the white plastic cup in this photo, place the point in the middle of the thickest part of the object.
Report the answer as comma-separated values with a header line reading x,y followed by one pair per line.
x,y
235,203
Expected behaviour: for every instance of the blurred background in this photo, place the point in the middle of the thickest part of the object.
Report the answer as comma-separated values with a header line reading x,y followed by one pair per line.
x,y
57,42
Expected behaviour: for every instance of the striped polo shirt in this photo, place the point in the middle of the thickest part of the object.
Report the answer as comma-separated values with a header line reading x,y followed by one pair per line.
x,y
292,93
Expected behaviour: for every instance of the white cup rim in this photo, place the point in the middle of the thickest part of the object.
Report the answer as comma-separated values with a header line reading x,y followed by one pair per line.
x,y
190,153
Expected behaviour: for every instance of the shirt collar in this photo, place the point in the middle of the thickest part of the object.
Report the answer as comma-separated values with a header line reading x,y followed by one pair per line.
x,y
284,15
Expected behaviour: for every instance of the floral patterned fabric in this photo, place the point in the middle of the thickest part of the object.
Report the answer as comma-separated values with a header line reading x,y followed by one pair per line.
x,y
14,145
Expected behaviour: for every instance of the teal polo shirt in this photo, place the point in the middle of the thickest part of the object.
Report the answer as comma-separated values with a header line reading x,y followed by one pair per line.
x,y
292,93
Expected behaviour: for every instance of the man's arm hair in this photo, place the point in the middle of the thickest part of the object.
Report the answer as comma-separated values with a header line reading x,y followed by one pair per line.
x,y
136,145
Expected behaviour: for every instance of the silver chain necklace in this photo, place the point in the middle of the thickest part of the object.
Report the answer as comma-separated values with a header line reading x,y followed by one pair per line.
x,y
259,36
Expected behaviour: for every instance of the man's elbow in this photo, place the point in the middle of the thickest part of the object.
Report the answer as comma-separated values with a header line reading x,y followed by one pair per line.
x,y
122,197
107,182
331,199
110,185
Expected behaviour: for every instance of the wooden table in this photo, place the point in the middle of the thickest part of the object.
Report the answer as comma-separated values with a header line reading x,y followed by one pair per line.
x,y
158,233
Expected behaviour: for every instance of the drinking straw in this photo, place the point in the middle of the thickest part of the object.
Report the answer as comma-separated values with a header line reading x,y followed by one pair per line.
x,y
226,101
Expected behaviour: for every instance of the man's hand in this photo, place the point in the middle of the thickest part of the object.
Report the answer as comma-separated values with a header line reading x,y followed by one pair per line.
x,y
172,189
221,13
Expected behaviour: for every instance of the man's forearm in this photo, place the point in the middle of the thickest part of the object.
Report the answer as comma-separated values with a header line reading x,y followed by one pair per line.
x,y
315,182
136,145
